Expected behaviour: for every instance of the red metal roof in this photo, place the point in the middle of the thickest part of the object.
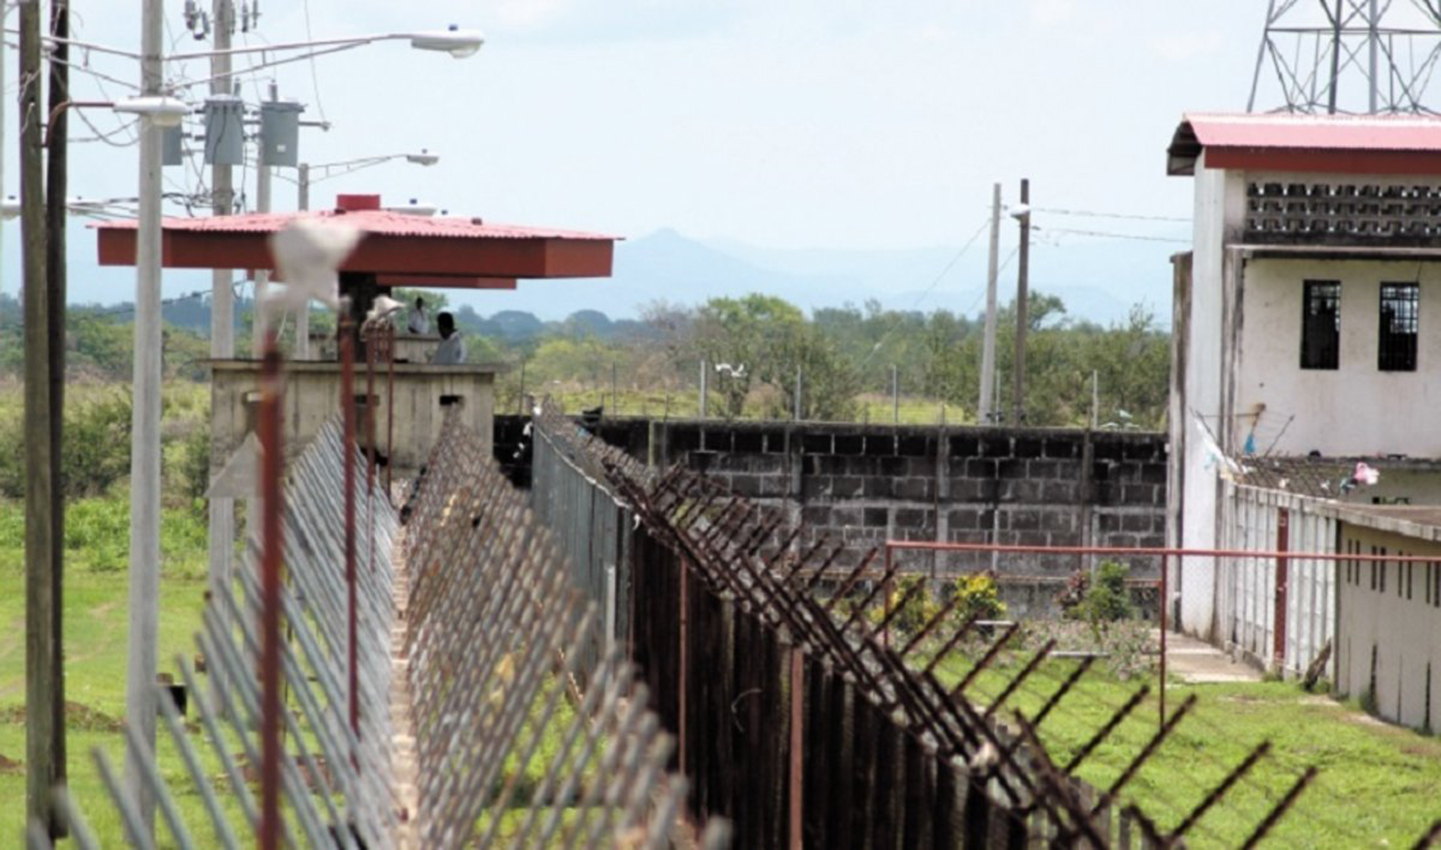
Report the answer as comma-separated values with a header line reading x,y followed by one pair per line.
x,y
373,222
1347,144
467,252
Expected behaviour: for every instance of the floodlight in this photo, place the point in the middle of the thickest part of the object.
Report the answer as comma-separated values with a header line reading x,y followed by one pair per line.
x,y
453,40
164,111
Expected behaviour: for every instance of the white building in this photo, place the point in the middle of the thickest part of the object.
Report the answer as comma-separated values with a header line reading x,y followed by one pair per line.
x,y
1307,316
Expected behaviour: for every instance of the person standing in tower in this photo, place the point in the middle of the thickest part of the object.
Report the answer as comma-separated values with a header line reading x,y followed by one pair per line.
x,y
419,324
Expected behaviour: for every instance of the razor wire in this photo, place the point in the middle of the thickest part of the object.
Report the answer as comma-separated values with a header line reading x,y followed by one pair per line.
x,y
509,750
736,553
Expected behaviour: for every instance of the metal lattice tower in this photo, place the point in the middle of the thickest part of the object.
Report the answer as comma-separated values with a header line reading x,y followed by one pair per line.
x,y
1347,56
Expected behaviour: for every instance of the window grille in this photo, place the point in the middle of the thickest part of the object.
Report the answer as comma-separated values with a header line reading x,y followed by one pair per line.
x,y
1321,325
1397,350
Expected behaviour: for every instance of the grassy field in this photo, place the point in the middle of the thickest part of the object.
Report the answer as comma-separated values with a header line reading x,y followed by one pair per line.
x,y
95,642
1378,785
684,404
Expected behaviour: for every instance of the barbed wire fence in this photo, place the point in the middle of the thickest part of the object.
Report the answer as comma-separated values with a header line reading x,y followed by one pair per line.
x,y
461,710
804,711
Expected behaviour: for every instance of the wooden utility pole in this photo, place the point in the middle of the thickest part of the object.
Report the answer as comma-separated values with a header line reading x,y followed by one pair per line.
x,y
987,407
1018,400
56,190
42,690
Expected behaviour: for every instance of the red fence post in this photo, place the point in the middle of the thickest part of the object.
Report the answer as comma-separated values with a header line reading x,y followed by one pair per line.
x,y
1163,604
797,766
347,449
682,678
272,470
1283,544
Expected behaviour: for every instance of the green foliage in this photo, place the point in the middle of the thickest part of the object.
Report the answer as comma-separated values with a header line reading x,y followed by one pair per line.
x,y
1104,601
910,605
195,464
97,538
96,446
979,597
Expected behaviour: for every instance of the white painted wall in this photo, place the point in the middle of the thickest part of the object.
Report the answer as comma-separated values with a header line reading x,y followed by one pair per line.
x,y
1217,218
1356,409
1246,596
1403,632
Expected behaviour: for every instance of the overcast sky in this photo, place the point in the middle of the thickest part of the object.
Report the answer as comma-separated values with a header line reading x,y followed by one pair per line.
x,y
793,123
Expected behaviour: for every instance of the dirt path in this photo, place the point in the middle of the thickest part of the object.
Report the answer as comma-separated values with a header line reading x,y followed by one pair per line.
x,y
403,764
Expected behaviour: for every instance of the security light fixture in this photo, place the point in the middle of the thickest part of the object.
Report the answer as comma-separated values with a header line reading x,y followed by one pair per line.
x,y
457,42
163,110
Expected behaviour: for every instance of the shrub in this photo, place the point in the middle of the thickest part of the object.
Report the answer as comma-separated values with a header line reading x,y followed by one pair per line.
x,y
96,449
917,606
979,596
1107,600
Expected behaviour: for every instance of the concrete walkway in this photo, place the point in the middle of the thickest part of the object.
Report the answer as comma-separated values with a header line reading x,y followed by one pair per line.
x,y
403,756
1197,662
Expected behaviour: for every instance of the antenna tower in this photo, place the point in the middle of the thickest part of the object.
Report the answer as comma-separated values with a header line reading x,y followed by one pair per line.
x,y
1347,56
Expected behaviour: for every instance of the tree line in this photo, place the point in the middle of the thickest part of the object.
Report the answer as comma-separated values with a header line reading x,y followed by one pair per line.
x,y
755,349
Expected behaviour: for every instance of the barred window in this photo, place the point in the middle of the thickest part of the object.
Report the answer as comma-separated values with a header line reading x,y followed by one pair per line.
x,y
1397,349
1321,325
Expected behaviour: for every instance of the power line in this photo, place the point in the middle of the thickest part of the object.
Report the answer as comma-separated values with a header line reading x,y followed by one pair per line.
x,y
1095,214
1110,235
927,291
314,76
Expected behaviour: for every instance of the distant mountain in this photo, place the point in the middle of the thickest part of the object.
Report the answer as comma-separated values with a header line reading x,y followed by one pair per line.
x,y
1099,279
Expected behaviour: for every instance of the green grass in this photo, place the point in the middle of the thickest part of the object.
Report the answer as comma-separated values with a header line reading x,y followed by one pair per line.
x,y
684,404
1378,784
96,627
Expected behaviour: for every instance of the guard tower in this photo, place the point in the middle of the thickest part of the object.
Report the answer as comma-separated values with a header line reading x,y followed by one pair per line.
x,y
396,250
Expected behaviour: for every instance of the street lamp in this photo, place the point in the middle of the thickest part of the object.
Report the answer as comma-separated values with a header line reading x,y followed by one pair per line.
x,y
155,107
423,157
161,110
459,43
304,171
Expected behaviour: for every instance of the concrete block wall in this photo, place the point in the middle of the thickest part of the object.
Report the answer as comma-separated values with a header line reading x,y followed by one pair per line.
x,y
862,484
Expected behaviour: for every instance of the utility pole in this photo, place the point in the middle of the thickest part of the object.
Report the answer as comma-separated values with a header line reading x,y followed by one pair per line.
x,y
140,687
262,276
1022,310
799,376
55,271
302,317
222,336
41,609
703,389
988,342
895,395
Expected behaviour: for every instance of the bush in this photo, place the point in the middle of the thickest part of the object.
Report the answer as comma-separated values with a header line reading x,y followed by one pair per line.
x,y
1106,601
979,597
96,448
917,606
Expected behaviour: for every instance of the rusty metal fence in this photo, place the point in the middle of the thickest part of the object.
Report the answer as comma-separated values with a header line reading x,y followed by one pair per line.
x,y
819,721
335,782
593,528
434,701
512,749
